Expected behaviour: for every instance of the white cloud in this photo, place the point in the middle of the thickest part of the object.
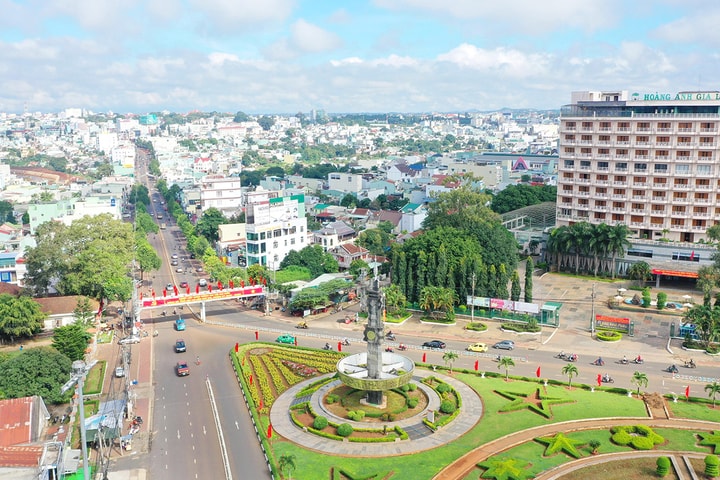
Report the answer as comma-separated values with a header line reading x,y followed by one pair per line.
x,y
219,58
700,28
233,16
346,61
510,62
305,38
94,14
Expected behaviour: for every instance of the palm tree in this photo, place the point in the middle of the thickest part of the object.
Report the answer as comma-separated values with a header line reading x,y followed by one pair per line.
x,y
571,371
639,379
713,389
507,363
641,272
449,358
618,242
287,463
707,280
598,245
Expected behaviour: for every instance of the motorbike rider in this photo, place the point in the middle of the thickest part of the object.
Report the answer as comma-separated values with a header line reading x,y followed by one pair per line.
x,y
624,360
638,359
606,378
599,361
345,341
691,363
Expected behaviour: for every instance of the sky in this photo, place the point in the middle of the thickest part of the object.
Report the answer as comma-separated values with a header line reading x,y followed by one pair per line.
x,y
289,56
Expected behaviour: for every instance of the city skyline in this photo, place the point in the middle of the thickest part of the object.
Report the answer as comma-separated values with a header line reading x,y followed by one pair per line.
x,y
285,56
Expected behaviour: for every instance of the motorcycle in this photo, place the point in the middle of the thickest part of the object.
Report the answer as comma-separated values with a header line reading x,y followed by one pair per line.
x,y
690,364
346,342
402,348
155,333
672,369
389,349
302,325
599,362
624,361
327,347
607,379
390,336
638,361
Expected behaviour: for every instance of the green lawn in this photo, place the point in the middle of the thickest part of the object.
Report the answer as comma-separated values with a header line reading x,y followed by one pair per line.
x,y
696,411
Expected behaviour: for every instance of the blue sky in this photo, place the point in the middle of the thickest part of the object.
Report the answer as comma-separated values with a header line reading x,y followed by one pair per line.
x,y
286,56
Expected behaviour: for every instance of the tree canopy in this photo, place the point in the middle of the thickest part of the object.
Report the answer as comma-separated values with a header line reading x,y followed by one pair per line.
x,y
317,260
20,317
90,257
37,371
209,223
518,196
71,340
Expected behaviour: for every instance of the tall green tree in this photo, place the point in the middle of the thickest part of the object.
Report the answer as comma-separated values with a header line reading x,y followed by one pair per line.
x,y
209,223
618,243
83,312
147,258
515,289
712,390
528,290
314,258
71,340
641,272
449,358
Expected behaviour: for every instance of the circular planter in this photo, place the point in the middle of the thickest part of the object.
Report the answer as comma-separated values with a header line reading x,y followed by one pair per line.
x,y
608,336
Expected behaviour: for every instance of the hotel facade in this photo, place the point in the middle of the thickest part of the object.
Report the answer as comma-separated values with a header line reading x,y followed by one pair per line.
x,y
650,161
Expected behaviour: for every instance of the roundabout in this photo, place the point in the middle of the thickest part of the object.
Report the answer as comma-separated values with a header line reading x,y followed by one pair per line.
x,y
421,437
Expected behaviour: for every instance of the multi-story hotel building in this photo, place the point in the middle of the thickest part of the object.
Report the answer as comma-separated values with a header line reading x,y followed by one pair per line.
x,y
649,161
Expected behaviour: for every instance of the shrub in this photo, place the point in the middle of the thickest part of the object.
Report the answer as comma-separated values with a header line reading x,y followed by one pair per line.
x,y
447,407
476,326
646,299
356,415
661,300
320,422
608,335
332,398
663,466
711,466
405,388
443,387
344,430
412,387
412,402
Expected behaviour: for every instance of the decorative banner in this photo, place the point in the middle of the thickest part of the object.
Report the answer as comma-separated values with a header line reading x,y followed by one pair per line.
x,y
251,380
219,285
599,379
232,285
237,347
257,335
187,290
269,432
537,372
424,357
687,392
175,289
197,288
209,288
203,296
164,292
339,346
477,365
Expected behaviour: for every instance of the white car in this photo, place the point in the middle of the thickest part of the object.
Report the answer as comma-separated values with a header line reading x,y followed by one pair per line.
x,y
130,339
119,372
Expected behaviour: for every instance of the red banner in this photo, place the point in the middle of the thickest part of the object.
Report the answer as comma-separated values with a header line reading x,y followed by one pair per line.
x,y
675,273
200,297
606,319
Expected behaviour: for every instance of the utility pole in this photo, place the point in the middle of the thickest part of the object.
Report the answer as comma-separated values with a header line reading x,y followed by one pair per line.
x,y
592,310
79,370
472,305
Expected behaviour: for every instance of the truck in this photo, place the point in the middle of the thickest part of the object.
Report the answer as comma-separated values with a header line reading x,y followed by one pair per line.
x,y
163,226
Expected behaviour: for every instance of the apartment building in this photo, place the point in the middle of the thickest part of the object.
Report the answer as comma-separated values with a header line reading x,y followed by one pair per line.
x,y
223,193
649,161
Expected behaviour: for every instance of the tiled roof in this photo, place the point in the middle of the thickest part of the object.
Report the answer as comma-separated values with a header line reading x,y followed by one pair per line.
x,y
60,305
15,421
20,456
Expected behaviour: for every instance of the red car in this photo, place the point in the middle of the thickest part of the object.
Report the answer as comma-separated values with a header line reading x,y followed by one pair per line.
x,y
183,284
182,369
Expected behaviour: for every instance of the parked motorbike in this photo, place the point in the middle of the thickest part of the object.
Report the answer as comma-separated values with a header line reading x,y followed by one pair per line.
x,y
672,369
389,349
390,336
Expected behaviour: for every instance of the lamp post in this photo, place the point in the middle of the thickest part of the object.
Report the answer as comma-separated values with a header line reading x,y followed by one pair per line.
x,y
79,370
592,312
472,305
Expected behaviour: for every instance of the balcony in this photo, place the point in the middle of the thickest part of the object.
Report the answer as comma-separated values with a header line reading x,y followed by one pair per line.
x,y
682,186
702,187
617,196
640,184
660,186
639,211
659,199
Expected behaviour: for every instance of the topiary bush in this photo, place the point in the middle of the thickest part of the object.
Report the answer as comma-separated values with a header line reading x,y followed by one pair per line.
x,y
476,327
344,430
443,387
663,466
661,300
447,407
356,415
332,398
639,437
412,402
412,387
711,466
320,422
608,335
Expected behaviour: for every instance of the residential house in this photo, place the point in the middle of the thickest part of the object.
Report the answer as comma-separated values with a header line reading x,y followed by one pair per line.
x,y
346,253
346,182
334,234
231,243
392,216
61,310
413,215
222,193
24,425
69,210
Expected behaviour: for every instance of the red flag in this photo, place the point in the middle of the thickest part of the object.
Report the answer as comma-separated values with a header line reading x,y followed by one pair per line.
x,y
187,290
257,335
153,292
269,432
264,281
243,361
477,365
599,379
242,283
692,256
424,357
237,347
219,285
339,346
176,290
209,288
687,392
537,372
164,292
295,341
100,308
140,295
197,288
232,284
252,281
261,405
251,379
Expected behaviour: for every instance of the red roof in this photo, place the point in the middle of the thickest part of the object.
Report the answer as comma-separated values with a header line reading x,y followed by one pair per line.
x,y
20,456
15,421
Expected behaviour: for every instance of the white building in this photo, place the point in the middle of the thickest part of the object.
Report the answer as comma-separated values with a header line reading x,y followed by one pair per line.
x,y
275,226
345,182
223,193
649,161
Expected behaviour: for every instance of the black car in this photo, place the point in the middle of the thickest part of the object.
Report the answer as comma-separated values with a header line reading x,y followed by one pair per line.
x,y
434,344
180,345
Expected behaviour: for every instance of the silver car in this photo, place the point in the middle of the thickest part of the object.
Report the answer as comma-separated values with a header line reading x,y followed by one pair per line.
x,y
130,339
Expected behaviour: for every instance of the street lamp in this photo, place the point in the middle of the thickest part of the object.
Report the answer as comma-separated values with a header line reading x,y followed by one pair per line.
x,y
79,370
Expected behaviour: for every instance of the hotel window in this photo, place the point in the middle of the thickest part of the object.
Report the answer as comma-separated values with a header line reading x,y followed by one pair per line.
x,y
704,169
569,163
603,165
570,138
640,167
621,153
664,126
644,127
570,125
567,176
604,139
683,169
584,165
683,155
586,139
706,141
661,168
662,141
587,125
623,126
662,154
569,150
636,252
681,197
623,139
705,155
621,167
685,127
684,141
642,140
605,126
707,127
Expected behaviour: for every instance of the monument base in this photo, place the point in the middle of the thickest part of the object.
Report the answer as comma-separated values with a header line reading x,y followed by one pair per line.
x,y
375,399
